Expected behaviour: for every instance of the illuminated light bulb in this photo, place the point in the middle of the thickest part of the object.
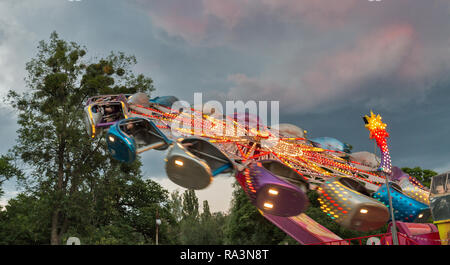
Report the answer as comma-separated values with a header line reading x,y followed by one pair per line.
x,y
268,205
273,192
111,138
364,211
179,163
420,215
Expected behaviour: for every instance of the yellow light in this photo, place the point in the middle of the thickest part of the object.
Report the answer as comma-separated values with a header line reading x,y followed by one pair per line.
x,y
111,139
364,211
273,192
179,163
374,122
268,205
123,108
92,120
420,215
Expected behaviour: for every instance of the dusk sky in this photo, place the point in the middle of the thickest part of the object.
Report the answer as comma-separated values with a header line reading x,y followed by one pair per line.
x,y
327,62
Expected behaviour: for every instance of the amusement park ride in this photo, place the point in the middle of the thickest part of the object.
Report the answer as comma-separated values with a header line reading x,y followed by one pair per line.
x,y
276,168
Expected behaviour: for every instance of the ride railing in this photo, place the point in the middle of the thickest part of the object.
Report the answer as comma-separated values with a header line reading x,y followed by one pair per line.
x,y
380,239
402,240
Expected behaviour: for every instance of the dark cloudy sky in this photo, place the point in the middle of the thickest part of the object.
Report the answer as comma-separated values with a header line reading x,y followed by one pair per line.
x,y
327,62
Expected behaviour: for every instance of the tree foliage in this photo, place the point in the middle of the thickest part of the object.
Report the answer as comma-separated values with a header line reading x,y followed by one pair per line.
x,y
26,220
193,227
190,205
66,167
8,170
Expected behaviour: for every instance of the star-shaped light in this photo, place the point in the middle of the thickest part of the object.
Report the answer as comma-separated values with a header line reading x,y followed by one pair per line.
x,y
374,122
378,132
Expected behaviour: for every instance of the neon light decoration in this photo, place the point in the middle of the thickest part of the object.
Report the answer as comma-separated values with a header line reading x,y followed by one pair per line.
x,y
378,132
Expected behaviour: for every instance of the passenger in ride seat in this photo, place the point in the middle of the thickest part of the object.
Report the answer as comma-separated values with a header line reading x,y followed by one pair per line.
x,y
114,113
108,117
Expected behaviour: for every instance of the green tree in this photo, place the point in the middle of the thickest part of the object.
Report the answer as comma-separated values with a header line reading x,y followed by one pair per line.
x,y
65,165
194,228
124,212
189,226
7,170
190,205
175,205
206,214
26,220
211,226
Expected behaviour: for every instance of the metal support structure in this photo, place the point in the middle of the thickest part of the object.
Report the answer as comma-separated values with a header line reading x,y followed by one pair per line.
x,y
394,225
158,221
